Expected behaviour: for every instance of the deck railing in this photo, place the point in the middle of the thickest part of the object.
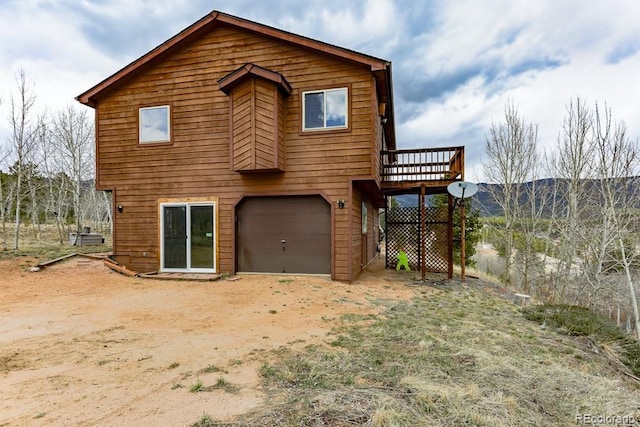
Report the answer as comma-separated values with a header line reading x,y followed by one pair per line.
x,y
422,164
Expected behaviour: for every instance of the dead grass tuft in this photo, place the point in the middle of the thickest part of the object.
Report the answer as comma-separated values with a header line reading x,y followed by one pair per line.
x,y
44,244
451,357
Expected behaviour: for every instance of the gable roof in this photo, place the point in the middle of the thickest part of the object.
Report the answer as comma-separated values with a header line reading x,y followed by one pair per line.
x,y
380,68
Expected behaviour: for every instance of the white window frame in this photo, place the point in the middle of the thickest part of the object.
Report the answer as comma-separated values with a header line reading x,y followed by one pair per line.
x,y
324,109
142,125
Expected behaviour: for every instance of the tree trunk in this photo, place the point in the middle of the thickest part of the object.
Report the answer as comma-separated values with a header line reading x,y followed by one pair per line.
x,y
16,237
2,216
632,290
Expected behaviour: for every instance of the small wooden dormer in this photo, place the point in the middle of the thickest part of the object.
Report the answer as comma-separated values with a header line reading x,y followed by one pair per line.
x,y
257,118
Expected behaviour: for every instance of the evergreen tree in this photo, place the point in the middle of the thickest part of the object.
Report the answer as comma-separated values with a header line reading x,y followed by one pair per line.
x,y
472,227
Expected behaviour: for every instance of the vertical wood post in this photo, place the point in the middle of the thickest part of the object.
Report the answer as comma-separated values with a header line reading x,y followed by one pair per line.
x,y
462,240
386,231
450,237
423,233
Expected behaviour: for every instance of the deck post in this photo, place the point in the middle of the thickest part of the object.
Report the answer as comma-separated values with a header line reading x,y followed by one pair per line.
x,y
450,237
462,241
386,232
423,233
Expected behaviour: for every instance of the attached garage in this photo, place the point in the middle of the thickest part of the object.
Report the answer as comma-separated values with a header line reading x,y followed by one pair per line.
x,y
284,234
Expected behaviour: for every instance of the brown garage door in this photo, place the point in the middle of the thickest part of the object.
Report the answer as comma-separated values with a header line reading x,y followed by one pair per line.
x,y
290,234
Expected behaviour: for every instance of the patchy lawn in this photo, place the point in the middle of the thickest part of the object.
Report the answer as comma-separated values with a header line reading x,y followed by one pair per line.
x,y
81,345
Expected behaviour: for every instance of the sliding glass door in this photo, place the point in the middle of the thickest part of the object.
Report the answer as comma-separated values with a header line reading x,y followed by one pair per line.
x,y
188,237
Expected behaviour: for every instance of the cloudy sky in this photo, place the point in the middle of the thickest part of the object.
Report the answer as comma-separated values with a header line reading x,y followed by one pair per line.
x,y
456,63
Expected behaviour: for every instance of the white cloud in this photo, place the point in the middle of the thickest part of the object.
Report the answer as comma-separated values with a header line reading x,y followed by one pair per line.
x,y
370,26
456,64
537,54
53,53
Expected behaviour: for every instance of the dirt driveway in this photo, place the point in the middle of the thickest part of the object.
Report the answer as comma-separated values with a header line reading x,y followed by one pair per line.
x,y
82,345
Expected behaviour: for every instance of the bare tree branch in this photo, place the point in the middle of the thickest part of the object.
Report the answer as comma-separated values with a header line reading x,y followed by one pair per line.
x,y
511,159
22,138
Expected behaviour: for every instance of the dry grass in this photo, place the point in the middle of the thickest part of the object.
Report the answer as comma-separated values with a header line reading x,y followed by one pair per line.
x,y
45,243
451,357
455,356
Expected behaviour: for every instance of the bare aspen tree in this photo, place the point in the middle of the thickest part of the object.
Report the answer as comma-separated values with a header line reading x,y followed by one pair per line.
x,y
510,158
98,212
618,160
3,210
61,189
3,156
22,139
4,203
73,139
8,201
600,202
595,166
571,166
33,176
58,185
528,260
105,202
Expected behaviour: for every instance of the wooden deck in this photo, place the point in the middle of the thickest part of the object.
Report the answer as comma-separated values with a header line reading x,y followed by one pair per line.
x,y
407,171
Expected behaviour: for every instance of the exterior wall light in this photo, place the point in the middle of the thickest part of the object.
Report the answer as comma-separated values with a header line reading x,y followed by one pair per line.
x,y
341,204
120,208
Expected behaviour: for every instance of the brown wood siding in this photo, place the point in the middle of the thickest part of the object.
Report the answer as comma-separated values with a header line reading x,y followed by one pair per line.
x,y
266,98
257,139
281,117
373,234
378,136
362,257
197,163
242,126
356,237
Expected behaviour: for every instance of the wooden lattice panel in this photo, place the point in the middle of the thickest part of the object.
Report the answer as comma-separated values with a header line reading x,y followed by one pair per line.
x,y
436,239
403,233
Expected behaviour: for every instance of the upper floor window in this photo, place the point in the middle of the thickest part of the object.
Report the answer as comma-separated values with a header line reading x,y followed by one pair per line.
x,y
325,109
154,124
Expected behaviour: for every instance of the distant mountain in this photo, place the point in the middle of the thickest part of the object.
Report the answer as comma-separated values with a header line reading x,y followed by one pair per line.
x,y
407,199
485,203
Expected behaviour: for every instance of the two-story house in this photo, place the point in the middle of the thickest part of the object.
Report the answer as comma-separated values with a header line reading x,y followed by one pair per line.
x,y
238,147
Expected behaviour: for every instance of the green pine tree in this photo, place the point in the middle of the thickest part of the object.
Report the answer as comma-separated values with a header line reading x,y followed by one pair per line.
x,y
472,228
